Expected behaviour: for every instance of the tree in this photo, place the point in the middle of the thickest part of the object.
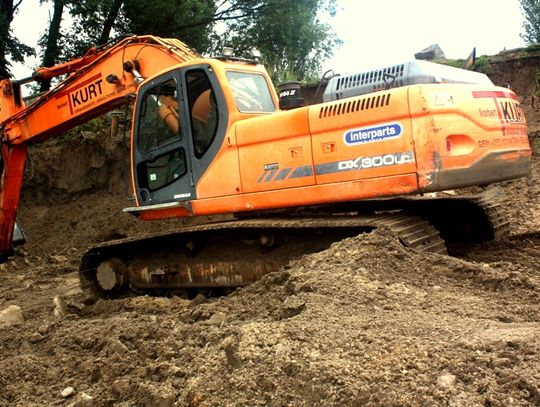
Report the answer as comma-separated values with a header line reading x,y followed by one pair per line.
x,y
290,35
531,25
51,41
191,21
9,45
94,21
110,18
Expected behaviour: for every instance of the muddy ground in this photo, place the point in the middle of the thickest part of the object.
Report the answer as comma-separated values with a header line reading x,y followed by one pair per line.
x,y
366,322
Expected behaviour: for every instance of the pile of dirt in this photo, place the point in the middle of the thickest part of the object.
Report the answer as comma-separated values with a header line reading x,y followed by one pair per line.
x,y
346,326
366,322
522,197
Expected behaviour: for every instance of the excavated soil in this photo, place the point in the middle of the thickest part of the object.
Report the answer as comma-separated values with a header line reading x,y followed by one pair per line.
x,y
366,322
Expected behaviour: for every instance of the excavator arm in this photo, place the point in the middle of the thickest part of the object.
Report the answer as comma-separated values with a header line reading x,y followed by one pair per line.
x,y
96,83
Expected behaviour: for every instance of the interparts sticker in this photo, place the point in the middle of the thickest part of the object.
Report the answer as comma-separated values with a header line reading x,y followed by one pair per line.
x,y
371,134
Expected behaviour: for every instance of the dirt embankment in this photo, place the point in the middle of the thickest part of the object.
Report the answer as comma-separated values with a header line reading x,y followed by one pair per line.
x,y
366,322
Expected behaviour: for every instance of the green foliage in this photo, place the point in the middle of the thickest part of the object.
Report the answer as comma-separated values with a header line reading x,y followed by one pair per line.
x,y
10,47
456,63
17,50
189,20
482,65
291,36
532,47
99,125
89,18
531,25
537,82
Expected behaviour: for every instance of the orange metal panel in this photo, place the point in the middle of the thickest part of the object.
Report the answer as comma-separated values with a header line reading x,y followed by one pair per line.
x,y
362,137
275,151
87,93
308,195
222,176
167,213
459,126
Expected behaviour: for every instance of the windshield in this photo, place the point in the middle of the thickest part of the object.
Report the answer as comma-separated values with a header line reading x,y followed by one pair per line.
x,y
251,92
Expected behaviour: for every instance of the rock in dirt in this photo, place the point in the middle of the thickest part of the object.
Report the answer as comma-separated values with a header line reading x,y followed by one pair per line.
x,y
121,387
117,346
446,380
199,299
60,308
68,392
292,306
36,337
217,319
83,400
502,362
12,315
230,347
162,400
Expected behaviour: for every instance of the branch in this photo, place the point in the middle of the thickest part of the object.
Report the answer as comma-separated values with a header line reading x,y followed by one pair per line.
x,y
236,8
16,6
225,15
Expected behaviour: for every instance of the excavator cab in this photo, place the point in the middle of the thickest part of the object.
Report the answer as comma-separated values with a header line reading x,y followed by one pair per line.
x,y
180,124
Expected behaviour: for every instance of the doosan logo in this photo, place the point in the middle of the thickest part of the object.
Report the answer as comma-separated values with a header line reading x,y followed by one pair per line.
x,y
372,134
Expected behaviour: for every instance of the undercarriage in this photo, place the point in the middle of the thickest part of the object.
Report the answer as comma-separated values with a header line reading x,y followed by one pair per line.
x,y
234,253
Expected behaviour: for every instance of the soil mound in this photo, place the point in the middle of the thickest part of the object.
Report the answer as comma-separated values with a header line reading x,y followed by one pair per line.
x,y
346,326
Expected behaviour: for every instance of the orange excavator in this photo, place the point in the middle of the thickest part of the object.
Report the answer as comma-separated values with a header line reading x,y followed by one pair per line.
x,y
208,138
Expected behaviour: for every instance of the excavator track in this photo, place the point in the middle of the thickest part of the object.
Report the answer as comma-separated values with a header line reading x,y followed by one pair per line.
x,y
234,253
497,217
237,252
414,232
458,218
465,219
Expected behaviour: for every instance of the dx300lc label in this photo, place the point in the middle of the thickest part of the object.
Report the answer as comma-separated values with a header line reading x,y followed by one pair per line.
x,y
364,163
371,134
355,164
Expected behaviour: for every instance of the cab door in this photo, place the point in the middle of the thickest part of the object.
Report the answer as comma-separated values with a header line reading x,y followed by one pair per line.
x,y
161,151
206,120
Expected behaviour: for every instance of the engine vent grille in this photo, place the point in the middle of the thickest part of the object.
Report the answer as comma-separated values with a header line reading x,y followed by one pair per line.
x,y
351,106
390,76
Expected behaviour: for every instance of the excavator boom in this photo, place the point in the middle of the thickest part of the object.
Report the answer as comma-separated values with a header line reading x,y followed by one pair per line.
x,y
97,83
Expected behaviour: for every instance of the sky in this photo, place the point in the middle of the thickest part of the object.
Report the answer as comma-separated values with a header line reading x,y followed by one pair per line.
x,y
381,32
374,32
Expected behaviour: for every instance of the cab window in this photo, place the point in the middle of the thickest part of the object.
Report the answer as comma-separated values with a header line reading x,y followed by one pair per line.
x,y
251,92
158,136
163,170
159,122
203,110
